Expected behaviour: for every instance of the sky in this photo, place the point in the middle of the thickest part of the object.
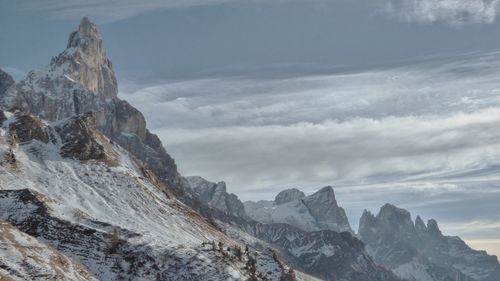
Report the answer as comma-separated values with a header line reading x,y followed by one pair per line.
x,y
386,100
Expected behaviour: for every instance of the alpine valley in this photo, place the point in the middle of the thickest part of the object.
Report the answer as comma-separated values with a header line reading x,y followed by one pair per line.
x,y
87,192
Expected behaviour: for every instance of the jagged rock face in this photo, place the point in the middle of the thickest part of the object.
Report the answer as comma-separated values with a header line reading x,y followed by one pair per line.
x,y
288,195
421,252
81,79
215,195
318,211
326,254
26,128
80,139
6,81
86,61
325,210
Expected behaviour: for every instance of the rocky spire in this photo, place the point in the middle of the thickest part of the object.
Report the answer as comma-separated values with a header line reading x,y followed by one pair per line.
x,y
433,228
85,61
288,195
420,225
5,81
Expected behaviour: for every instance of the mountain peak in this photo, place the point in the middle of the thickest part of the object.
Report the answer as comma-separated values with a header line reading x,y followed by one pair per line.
x,y
87,30
84,61
420,225
288,195
433,228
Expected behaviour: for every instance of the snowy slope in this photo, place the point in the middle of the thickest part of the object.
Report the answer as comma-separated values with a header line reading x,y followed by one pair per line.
x,y
23,257
77,206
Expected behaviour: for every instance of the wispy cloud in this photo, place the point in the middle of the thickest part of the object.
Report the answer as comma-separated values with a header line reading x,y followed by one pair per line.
x,y
447,11
423,136
111,10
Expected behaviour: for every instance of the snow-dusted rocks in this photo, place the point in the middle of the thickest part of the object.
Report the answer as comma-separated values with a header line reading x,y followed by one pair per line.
x,y
5,81
26,128
80,139
114,219
23,257
80,80
420,252
215,196
318,211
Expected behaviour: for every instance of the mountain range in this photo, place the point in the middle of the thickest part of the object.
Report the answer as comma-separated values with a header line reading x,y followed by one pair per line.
x,y
87,192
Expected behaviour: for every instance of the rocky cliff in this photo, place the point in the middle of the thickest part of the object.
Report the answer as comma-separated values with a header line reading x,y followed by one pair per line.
x,y
215,196
318,211
421,252
80,80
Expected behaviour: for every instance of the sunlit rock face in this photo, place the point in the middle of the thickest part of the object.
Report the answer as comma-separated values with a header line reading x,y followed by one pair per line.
x,y
86,61
80,80
417,251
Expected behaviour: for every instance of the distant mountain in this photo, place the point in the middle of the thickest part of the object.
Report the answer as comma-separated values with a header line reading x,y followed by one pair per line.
x,y
420,252
215,195
326,254
318,211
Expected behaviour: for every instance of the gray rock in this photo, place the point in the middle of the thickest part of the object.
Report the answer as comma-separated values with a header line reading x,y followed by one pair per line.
x,y
288,195
216,196
318,211
6,81
324,208
420,252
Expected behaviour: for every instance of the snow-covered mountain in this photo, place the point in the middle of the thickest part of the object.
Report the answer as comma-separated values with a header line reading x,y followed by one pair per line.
x,y
81,79
318,211
420,252
327,254
88,193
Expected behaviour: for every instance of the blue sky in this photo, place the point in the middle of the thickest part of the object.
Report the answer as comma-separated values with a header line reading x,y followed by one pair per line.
x,y
387,100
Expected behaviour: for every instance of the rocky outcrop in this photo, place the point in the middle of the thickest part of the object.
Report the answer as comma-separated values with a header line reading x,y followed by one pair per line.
x,y
324,208
318,211
26,128
81,79
216,196
288,195
6,81
80,140
326,254
418,251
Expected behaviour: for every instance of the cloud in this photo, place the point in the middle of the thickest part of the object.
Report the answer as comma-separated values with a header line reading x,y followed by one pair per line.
x,y
493,245
451,12
432,119
423,136
104,11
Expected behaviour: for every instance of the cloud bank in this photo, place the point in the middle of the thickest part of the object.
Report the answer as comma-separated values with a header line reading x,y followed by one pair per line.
x,y
447,11
423,136
104,11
